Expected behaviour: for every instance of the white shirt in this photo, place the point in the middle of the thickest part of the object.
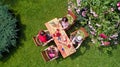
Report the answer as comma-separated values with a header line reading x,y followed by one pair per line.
x,y
77,39
65,24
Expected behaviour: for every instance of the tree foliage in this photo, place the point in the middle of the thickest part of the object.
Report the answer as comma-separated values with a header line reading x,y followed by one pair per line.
x,y
104,16
8,30
102,20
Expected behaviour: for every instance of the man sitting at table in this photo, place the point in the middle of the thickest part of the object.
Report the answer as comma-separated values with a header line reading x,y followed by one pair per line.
x,y
43,36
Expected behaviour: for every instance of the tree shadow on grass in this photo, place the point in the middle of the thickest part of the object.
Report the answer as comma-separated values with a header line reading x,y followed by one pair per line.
x,y
21,36
76,54
73,27
60,58
9,2
118,38
21,28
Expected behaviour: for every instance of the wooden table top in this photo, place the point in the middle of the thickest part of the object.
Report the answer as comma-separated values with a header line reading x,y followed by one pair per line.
x,y
63,43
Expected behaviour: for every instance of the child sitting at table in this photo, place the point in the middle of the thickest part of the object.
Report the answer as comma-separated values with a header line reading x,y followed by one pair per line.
x,y
52,52
65,23
43,36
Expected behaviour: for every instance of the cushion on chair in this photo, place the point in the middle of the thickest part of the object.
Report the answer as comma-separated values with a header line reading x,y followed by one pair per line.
x,y
70,19
72,14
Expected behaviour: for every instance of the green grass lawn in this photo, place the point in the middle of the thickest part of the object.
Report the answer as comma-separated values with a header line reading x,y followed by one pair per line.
x,y
33,15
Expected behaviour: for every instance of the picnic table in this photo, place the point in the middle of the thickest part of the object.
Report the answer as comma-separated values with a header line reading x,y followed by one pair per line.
x,y
60,37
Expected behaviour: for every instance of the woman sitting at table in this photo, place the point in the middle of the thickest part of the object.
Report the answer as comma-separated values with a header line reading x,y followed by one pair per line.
x,y
43,36
52,52
77,40
65,23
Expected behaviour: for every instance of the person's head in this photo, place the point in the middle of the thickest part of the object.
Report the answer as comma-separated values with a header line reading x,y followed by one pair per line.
x,y
79,38
83,9
57,29
65,19
42,32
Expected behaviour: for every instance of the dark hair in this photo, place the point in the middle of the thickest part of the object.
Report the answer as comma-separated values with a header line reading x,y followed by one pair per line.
x,y
65,19
42,32
83,9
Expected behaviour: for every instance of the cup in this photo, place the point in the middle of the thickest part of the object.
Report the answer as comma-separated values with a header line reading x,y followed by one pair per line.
x,y
69,45
54,35
64,39
62,49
